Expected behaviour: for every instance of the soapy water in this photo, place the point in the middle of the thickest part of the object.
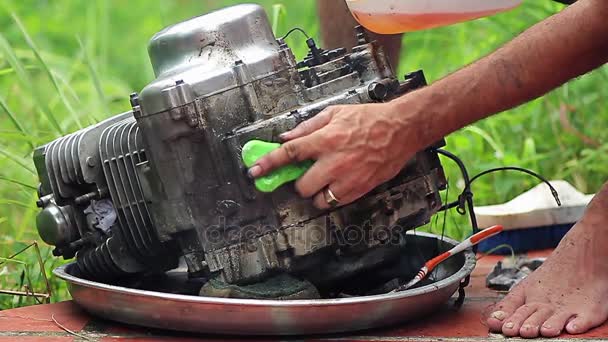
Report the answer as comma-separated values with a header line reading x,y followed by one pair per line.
x,y
393,23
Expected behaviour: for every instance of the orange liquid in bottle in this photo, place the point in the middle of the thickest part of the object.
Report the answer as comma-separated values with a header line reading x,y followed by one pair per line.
x,y
392,23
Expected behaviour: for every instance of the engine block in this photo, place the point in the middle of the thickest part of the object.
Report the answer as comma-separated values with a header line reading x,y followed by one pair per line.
x,y
164,182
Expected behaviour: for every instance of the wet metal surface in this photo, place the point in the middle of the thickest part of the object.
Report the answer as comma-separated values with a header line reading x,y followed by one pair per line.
x,y
35,323
272,317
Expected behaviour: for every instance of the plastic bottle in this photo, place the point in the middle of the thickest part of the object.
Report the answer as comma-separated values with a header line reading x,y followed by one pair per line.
x,y
398,16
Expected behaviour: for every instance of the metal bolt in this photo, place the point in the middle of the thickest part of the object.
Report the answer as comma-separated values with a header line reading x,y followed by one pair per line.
x,y
281,43
134,100
251,247
361,36
43,201
90,162
227,207
377,91
86,198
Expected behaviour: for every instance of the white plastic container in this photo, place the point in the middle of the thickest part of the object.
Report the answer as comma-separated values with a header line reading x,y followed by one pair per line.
x,y
398,16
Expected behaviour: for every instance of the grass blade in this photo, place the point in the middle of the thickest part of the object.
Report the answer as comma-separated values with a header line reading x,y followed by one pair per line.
x,y
278,10
16,160
67,79
26,82
14,181
11,58
4,260
8,71
17,203
104,24
16,136
485,136
95,77
46,69
13,119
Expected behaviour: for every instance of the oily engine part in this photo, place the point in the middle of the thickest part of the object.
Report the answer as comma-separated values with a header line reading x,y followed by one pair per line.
x,y
163,183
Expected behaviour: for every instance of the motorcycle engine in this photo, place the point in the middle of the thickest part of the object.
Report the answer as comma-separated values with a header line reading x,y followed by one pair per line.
x,y
164,184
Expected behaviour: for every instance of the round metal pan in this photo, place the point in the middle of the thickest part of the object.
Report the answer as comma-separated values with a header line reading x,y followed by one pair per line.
x,y
272,317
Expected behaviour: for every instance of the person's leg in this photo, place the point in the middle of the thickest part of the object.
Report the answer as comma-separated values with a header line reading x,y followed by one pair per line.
x,y
570,290
337,30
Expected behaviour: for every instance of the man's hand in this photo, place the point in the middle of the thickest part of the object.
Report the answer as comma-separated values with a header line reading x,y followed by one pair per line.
x,y
355,148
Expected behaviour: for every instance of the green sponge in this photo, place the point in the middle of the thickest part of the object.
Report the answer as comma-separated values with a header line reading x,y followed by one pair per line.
x,y
256,149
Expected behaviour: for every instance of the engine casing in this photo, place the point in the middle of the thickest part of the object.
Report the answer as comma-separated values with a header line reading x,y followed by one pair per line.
x,y
135,193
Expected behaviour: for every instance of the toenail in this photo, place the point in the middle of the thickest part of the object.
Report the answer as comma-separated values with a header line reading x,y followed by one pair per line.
x,y
527,327
499,315
509,325
547,326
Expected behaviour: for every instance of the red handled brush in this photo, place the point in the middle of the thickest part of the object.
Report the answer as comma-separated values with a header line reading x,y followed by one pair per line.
x,y
431,264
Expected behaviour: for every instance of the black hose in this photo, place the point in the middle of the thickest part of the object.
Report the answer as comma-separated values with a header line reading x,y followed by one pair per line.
x,y
466,196
296,29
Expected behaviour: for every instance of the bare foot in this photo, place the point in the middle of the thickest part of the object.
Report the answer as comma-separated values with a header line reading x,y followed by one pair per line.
x,y
569,291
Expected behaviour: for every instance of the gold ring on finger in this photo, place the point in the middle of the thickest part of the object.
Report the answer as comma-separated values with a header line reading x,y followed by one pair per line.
x,y
330,198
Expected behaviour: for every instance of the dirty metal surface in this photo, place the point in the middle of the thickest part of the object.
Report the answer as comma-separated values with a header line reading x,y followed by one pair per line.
x,y
278,317
35,323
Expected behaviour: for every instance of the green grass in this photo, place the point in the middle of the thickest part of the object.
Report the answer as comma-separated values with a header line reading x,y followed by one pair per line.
x,y
67,64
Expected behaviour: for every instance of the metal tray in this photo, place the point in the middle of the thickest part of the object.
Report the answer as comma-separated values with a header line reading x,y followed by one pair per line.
x,y
273,317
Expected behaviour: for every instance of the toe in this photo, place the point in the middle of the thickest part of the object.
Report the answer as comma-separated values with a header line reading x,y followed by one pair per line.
x,y
514,323
554,325
582,323
505,309
531,326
